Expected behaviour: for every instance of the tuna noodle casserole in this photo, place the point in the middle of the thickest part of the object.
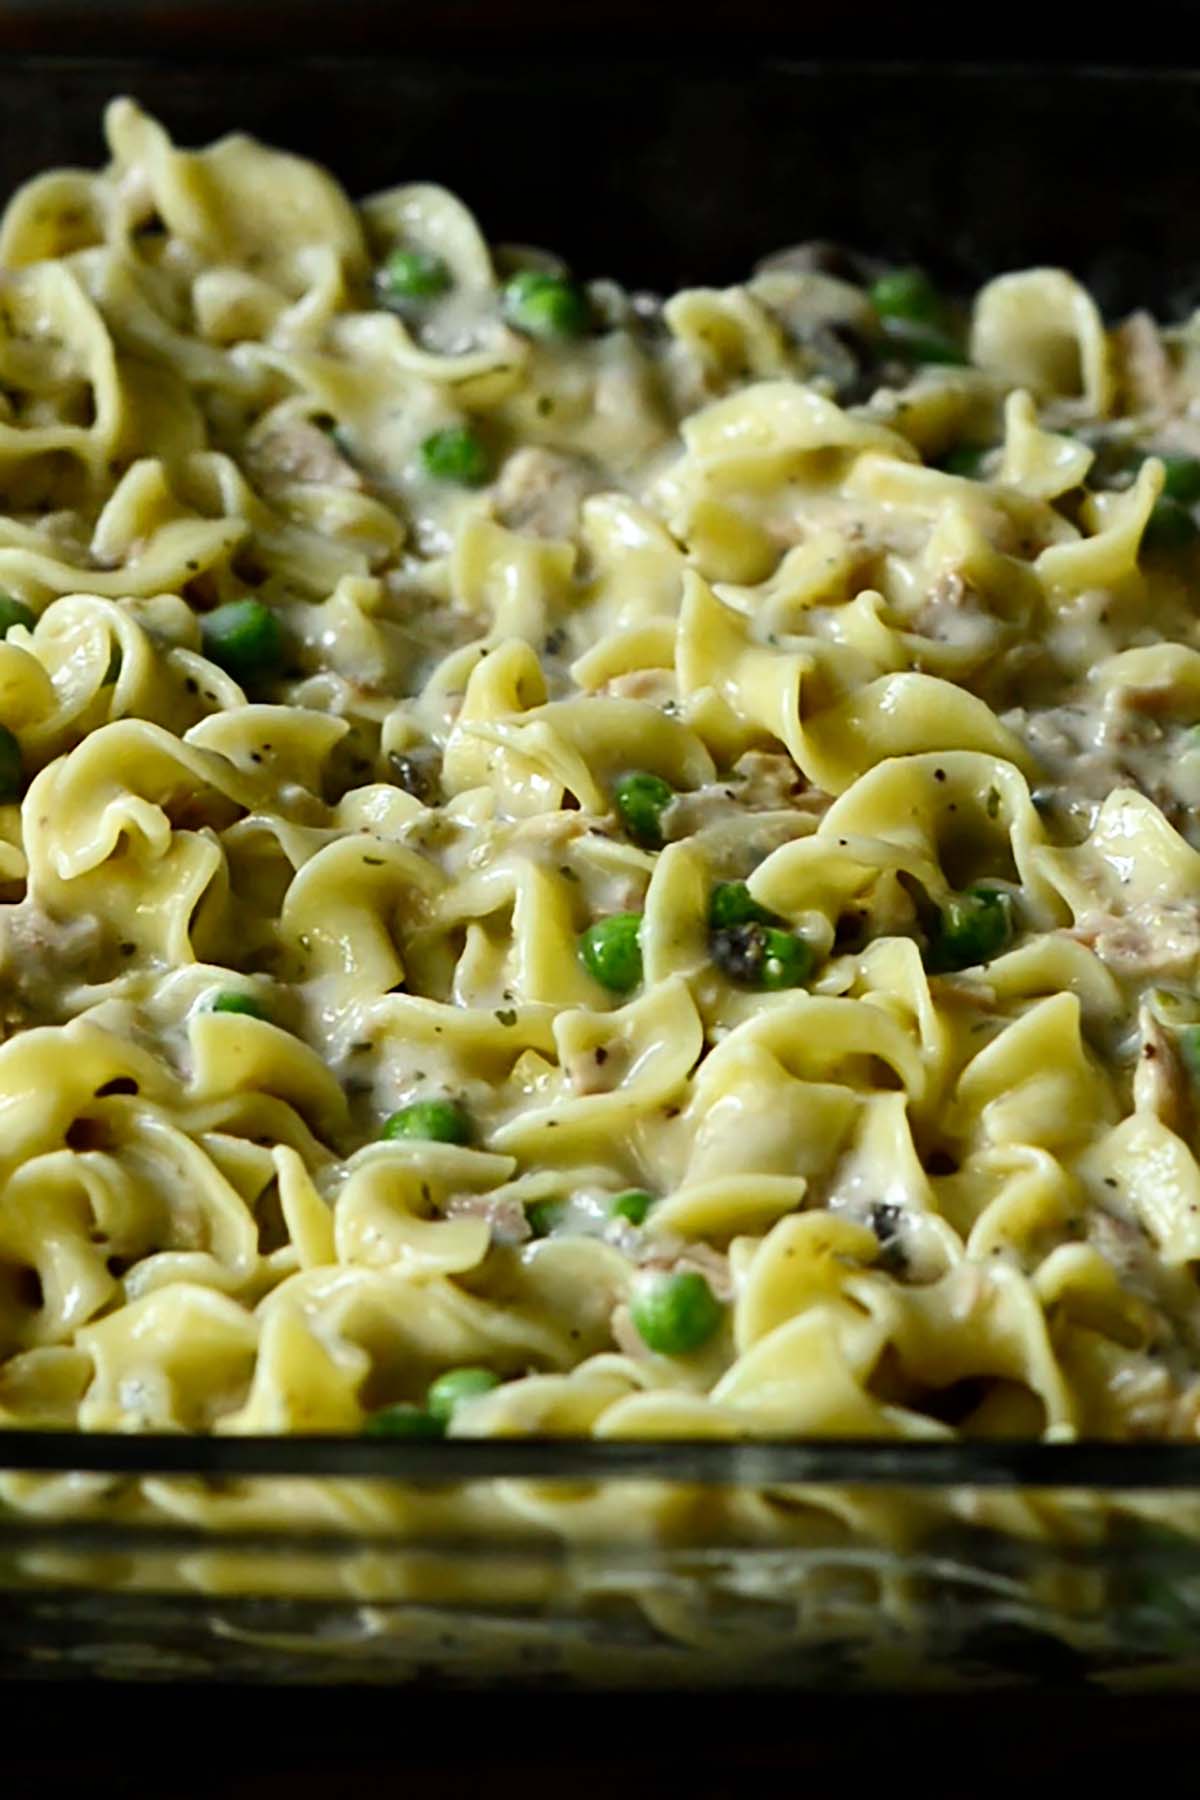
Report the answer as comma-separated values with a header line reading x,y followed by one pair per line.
x,y
581,865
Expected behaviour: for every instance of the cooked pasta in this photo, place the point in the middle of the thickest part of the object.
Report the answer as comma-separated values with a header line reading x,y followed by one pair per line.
x,y
581,866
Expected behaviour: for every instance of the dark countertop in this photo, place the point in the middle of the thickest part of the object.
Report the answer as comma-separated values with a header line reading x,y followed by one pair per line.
x,y
193,1743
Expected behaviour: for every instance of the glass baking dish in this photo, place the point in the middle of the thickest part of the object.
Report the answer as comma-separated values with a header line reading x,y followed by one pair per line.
x,y
838,1565
786,1565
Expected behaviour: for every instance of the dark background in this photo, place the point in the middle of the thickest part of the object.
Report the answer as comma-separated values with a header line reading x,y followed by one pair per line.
x,y
663,143
666,173
1158,33
1161,31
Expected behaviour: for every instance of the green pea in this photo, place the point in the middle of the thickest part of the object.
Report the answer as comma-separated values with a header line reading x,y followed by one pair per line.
x,y
761,956
612,952
1182,478
438,1121
448,1392
12,774
543,1216
906,294
230,1001
1169,529
641,801
15,612
972,928
676,1314
403,1421
412,275
966,460
1189,1050
789,961
929,346
632,1206
243,638
731,903
456,454
545,306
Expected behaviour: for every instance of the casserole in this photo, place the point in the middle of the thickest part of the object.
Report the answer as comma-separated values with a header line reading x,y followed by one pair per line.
x,y
1021,1579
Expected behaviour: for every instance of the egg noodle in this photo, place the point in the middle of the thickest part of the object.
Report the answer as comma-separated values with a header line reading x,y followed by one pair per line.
x,y
637,863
